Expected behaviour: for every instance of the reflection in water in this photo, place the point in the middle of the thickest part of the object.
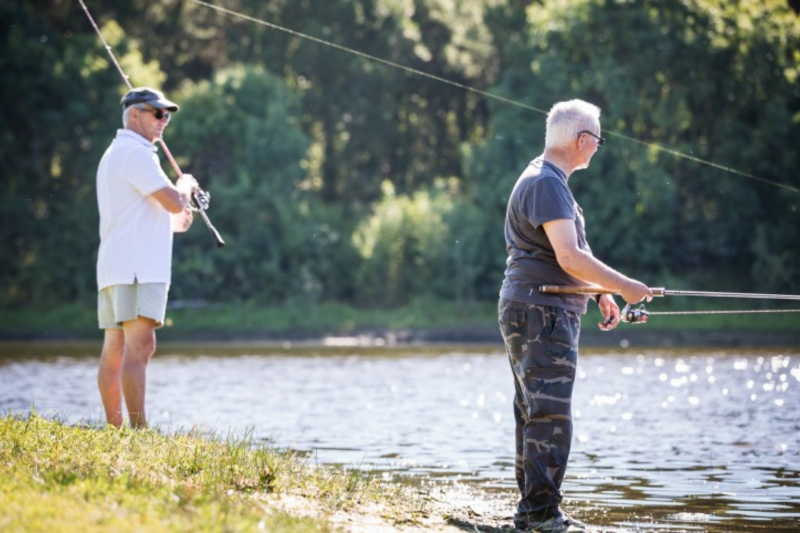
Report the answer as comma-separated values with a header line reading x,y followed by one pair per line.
x,y
687,440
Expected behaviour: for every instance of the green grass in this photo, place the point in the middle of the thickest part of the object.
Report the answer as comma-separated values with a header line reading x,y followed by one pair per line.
x,y
55,477
244,321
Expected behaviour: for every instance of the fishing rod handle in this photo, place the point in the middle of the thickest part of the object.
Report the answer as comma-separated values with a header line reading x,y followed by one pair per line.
x,y
575,289
589,289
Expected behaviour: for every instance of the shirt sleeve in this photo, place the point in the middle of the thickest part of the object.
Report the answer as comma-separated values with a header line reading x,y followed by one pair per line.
x,y
549,199
143,171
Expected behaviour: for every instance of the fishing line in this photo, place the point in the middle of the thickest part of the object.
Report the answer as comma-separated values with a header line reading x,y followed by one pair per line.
x,y
725,312
640,315
487,94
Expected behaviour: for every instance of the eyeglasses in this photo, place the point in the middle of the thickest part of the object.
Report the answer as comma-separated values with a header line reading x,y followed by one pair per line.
x,y
160,114
600,140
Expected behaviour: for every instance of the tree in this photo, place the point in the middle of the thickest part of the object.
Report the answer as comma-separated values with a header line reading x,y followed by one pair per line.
x,y
59,115
707,79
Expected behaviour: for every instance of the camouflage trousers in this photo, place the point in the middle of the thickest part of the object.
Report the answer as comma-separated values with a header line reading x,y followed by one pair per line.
x,y
542,347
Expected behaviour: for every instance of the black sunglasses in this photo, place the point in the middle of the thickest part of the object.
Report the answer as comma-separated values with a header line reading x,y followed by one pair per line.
x,y
159,113
600,140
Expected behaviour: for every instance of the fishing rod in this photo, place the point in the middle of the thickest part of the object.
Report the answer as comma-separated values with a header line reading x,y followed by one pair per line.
x,y
639,315
661,291
199,198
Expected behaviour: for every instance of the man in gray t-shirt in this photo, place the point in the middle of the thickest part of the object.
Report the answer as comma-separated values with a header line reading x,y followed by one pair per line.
x,y
546,244
541,195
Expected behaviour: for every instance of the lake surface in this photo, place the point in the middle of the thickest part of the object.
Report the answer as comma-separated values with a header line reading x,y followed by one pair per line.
x,y
679,440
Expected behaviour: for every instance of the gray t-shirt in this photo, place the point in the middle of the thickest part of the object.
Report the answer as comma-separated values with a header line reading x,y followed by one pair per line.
x,y
540,195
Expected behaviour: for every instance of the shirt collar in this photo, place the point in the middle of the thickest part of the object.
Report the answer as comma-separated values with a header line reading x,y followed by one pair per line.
x,y
132,135
557,170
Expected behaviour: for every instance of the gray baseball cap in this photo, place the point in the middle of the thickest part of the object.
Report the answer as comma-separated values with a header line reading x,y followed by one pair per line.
x,y
150,96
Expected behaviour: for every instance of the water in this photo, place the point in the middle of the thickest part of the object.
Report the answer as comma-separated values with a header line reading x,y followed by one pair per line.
x,y
685,440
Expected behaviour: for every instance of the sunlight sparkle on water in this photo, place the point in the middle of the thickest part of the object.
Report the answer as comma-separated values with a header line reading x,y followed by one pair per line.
x,y
605,400
678,382
681,366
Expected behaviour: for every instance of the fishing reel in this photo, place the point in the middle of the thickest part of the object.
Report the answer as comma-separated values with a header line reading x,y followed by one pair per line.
x,y
636,315
200,200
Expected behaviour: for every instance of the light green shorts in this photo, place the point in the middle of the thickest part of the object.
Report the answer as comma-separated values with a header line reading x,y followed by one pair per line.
x,y
121,303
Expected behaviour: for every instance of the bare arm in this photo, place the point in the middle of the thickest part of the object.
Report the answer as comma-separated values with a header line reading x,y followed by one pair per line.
x,y
176,198
586,267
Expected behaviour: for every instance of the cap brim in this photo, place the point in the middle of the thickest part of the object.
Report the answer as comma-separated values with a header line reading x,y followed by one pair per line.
x,y
163,103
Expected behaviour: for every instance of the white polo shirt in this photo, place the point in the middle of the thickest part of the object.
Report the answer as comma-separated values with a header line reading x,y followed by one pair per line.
x,y
135,230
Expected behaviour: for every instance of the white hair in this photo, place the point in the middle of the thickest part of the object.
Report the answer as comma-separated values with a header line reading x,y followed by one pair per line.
x,y
126,113
566,119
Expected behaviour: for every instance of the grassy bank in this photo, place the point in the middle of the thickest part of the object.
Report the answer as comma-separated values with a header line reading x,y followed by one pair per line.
x,y
438,319
60,478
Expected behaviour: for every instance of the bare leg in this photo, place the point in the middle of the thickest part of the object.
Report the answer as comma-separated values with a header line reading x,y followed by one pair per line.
x,y
140,344
108,375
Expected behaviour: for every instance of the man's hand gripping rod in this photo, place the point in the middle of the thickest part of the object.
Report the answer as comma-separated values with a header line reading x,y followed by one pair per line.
x,y
199,198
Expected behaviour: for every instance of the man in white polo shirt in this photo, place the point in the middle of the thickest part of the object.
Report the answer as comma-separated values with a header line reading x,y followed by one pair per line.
x,y
139,211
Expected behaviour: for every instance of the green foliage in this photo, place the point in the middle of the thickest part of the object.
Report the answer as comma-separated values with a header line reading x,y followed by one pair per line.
x,y
338,179
401,245
49,149
241,134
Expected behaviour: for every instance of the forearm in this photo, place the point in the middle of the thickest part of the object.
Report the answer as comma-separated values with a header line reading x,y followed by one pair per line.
x,y
587,268
176,198
582,265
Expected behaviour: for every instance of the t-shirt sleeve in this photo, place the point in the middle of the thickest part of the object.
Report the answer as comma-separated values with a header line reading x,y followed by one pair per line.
x,y
549,199
143,171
